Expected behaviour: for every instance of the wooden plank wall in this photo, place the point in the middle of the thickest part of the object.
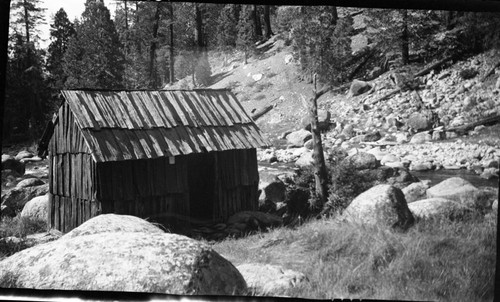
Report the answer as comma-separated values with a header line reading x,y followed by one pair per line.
x,y
71,186
67,137
237,180
151,188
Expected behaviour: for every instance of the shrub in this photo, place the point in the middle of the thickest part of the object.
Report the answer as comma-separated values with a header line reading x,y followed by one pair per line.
x,y
18,227
344,182
347,183
259,97
261,86
21,226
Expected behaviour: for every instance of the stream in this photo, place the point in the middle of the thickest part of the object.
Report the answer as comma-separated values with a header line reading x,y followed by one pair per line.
x,y
435,176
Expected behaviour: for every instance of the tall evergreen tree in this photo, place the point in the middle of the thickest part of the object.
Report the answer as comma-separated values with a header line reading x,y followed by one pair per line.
x,y
29,17
246,31
322,42
94,57
26,93
227,30
60,32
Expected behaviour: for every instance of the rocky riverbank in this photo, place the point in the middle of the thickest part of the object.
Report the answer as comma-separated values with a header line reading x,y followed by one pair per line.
x,y
414,127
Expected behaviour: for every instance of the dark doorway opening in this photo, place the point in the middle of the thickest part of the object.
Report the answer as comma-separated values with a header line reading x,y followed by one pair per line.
x,y
201,182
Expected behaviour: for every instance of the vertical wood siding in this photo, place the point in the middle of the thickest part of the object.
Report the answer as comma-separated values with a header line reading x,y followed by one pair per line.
x,y
237,181
71,186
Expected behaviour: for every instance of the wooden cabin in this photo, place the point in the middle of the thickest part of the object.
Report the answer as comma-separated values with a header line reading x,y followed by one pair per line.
x,y
175,157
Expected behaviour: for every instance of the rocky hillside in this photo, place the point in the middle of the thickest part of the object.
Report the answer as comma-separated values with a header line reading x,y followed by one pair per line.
x,y
387,113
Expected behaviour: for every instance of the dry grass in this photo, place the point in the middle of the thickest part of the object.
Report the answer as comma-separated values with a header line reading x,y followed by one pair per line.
x,y
434,260
18,227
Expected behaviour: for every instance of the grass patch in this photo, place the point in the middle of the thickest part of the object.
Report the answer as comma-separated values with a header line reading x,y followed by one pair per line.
x,y
437,259
18,227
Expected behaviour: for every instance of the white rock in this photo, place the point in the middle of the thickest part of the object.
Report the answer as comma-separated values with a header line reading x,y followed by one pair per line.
x,y
435,207
383,205
269,279
306,159
257,77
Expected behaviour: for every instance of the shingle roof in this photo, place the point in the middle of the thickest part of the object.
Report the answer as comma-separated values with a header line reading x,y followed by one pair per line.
x,y
122,125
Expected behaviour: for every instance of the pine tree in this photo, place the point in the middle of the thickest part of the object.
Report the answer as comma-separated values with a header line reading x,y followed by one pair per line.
x,y
246,32
61,31
227,26
322,42
94,58
29,17
26,89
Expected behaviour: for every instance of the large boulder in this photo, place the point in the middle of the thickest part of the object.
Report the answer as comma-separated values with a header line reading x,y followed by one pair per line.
x,y
112,223
454,188
124,261
359,87
420,121
6,157
323,120
421,138
18,197
30,182
383,205
306,159
416,191
269,279
23,154
298,138
275,191
438,207
362,160
37,208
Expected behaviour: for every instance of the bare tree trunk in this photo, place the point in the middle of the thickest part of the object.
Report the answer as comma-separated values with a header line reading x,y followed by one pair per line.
x,y
126,16
138,41
171,62
199,27
320,175
449,15
335,16
405,52
152,49
267,21
256,21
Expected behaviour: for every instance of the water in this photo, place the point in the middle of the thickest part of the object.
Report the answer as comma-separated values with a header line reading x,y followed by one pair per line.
x,y
438,176
435,176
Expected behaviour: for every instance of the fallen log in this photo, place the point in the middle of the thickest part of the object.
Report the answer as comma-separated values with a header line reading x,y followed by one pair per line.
x,y
418,74
390,93
261,112
433,66
486,121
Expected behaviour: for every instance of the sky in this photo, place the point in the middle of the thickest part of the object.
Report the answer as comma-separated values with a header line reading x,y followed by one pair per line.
x,y
74,9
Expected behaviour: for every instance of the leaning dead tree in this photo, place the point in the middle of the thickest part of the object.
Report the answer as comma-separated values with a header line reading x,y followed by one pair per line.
x,y
320,174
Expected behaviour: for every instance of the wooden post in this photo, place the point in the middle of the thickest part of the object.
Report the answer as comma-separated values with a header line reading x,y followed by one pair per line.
x,y
320,174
